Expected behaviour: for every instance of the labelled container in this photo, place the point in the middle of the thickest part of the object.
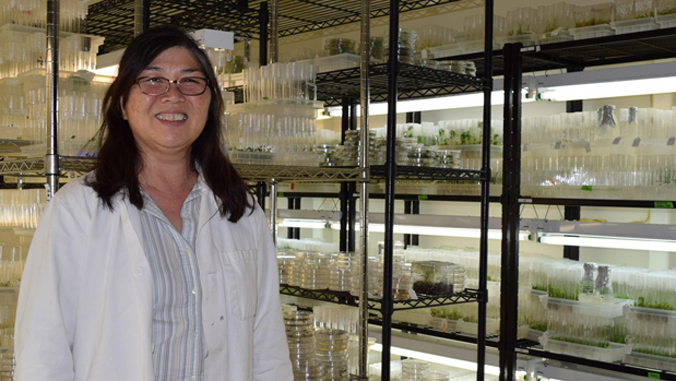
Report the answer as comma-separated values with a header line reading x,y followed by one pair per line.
x,y
613,352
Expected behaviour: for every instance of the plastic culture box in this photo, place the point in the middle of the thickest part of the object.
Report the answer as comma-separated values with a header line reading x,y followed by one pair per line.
x,y
666,13
609,353
632,16
593,21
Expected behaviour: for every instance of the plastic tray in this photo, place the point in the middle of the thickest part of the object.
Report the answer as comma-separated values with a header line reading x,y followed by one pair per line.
x,y
592,31
525,39
651,361
651,314
601,310
267,158
614,351
666,21
561,36
634,26
336,62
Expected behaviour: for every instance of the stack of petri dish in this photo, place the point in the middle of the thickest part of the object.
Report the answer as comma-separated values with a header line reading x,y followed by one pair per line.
x,y
332,353
405,46
341,269
330,155
335,46
446,158
287,268
7,365
352,146
314,272
300,336
414,369
436,375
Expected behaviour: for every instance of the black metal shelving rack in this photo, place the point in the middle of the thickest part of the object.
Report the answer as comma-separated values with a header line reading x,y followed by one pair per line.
x,y
512,61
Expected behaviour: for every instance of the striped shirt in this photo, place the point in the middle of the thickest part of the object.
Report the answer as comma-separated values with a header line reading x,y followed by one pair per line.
x,y
177,307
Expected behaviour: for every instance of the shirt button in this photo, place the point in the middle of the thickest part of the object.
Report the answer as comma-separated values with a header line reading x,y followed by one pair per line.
x,y
194,291
195,334
138,270
186,251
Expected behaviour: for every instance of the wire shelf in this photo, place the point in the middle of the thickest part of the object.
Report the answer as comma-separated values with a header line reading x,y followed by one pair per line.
x,y
114,19
288,173
429,173
343,297
577,54
334,87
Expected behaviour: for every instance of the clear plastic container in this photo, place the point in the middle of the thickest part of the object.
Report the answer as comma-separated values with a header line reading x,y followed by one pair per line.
x,y
612,352
437,278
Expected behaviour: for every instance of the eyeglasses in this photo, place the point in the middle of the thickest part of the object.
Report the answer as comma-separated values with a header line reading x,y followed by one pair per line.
x,y
190,86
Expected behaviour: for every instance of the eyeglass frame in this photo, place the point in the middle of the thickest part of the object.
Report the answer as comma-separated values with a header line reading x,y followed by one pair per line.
x,y
137,81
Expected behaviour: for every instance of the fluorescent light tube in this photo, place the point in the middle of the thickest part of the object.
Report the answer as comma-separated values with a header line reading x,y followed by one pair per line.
x,y
461,364
610,89
609,242
431,104
403,229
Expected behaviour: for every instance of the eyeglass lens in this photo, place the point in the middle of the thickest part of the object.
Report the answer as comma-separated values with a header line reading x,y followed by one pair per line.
x,y
186,86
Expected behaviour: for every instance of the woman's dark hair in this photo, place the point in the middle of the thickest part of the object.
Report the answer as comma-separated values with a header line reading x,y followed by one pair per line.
x,y
119,160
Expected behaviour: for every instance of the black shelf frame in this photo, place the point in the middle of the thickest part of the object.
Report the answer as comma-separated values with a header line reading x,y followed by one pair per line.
x,y
577,54
344,297
653,204
430,173
114,19
415,82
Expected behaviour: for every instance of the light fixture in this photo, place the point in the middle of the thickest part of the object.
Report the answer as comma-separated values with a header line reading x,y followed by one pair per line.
x,y
605,83
431,225
461,364
608,242
439,103
603,234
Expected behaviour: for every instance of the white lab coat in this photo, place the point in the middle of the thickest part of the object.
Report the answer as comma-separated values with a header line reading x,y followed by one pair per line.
x,y
86,298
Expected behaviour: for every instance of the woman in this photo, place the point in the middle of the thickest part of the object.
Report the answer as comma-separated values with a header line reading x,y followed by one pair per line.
x,y
157,265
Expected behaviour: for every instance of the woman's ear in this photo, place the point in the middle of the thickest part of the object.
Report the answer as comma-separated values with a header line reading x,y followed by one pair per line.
x,y
124,112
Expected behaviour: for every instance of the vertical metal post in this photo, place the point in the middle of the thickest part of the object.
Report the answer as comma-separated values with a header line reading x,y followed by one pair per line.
x,y
146,14
138,17
485,189
416,210
296,231
290,205
571,213
351,217
343,217
260,194
263,18
407,210
363,182
344,187
274,30
390,176
52,83
511,190
273,209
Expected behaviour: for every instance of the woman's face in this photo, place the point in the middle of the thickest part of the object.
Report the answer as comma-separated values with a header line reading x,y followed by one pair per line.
x,y
167,124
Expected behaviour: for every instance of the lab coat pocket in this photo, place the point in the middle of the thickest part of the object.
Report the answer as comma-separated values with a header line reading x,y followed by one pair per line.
x,y
241,283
